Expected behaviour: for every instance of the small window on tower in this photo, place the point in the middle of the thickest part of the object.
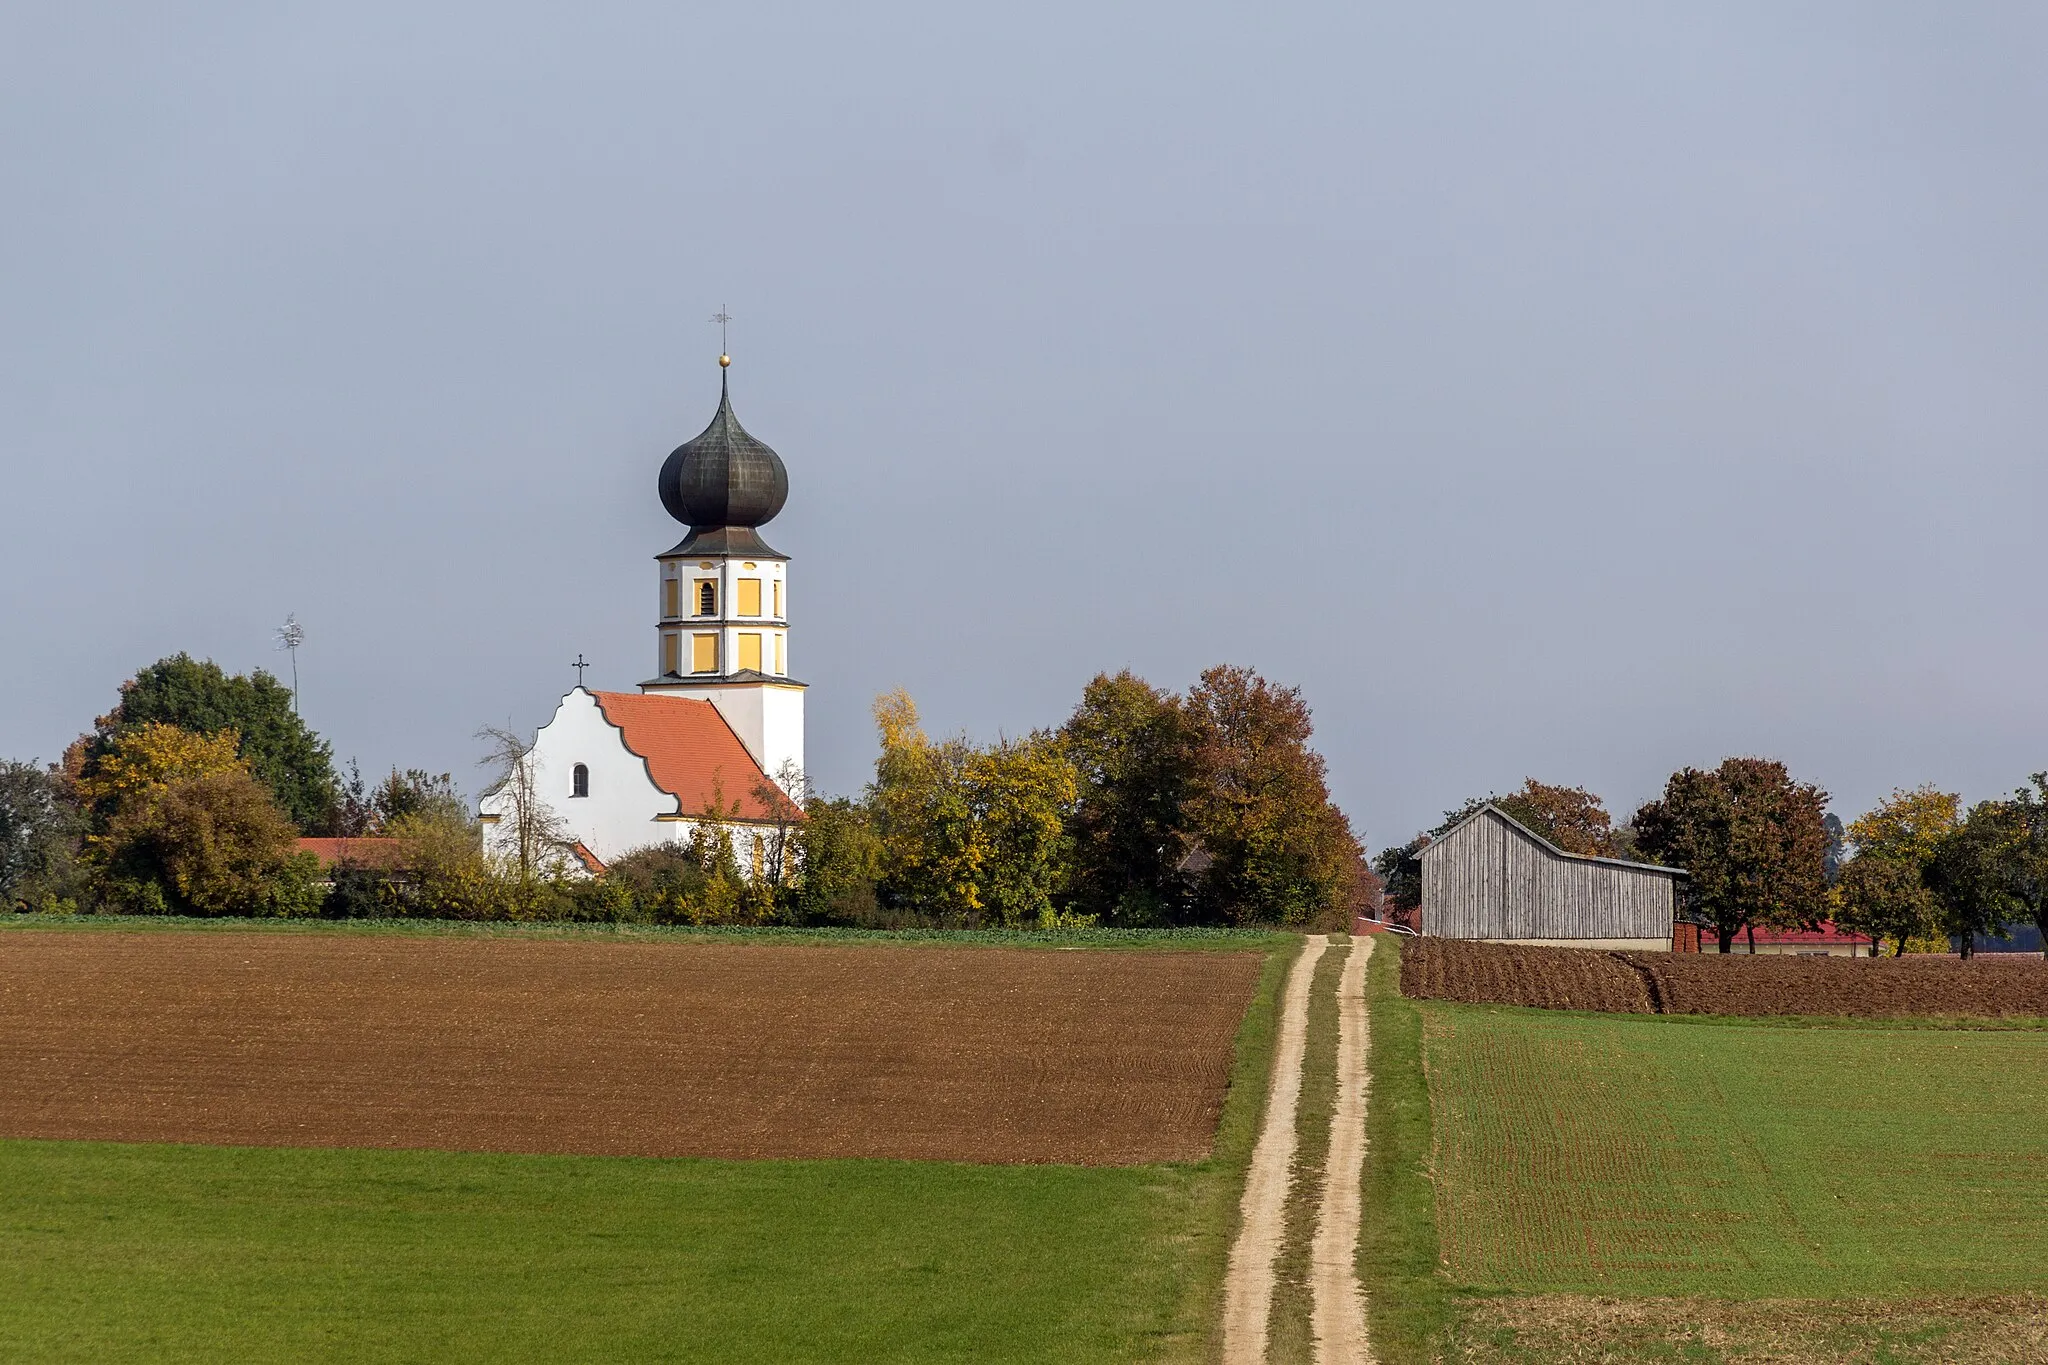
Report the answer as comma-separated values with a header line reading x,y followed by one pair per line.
x,y
778,597
703,653
671,597
707,597
750,596
780,667
579,781
671,654
750,650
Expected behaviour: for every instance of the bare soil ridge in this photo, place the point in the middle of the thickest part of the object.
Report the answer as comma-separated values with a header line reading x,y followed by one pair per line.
x,y
648,1049
1737,984
1339,1318
1248,1283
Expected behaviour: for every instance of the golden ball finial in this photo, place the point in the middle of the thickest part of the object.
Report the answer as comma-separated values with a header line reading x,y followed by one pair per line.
x,y
724,361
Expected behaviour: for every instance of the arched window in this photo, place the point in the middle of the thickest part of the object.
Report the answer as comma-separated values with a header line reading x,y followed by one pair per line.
x,y
707,597
579,781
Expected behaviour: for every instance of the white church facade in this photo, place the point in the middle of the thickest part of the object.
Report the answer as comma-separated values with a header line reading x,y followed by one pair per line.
x,y
718,731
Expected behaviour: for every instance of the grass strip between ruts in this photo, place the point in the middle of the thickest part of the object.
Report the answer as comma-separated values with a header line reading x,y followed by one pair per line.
x,y
1291,1337
1411,1311
1194,938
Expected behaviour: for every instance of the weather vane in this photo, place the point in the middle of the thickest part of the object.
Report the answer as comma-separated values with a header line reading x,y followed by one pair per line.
x,y
721,317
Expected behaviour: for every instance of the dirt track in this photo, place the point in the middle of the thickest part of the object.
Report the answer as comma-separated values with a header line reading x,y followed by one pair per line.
x,y
646,1049
1713,983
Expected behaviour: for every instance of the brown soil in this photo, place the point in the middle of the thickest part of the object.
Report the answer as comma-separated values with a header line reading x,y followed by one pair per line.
x,y
1562,1329
989,1055
1685,983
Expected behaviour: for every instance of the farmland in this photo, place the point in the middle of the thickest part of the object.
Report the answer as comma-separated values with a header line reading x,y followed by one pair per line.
x,y
1039,1250
1553,1186
621,1048
1733,984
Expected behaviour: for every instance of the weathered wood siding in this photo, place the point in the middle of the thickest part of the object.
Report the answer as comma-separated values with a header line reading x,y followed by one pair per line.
x,y
1489,878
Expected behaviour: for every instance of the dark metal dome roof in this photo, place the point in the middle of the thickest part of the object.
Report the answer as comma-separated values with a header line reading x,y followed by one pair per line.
x,y
724,477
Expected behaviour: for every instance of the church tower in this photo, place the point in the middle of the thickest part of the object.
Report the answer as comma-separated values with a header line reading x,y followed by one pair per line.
x,y
723,630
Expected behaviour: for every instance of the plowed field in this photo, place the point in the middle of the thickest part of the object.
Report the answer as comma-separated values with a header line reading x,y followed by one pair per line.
x,y
1710,983
984,1055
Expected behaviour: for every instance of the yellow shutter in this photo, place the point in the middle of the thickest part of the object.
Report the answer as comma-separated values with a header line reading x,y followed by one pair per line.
x,y
671,597
671,648
750,596
703,653
778,597
780,666
750,651
707,597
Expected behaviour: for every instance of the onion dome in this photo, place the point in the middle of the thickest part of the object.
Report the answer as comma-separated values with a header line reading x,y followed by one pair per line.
x,y
724,480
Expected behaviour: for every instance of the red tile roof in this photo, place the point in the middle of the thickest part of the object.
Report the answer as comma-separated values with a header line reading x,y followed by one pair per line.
x,y
361,852
592,864
1825,935
690,752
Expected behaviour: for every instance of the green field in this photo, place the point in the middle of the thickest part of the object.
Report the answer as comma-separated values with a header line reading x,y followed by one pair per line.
x,y
138,1252
1624,1154
1550,1186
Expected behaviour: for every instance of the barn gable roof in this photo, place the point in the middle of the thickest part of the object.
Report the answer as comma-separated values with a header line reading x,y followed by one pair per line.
x,y
1518,827
692,754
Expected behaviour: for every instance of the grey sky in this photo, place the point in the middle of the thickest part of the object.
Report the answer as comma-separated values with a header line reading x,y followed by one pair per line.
x,y
1575,391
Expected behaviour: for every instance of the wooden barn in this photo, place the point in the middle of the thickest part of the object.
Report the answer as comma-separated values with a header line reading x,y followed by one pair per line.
x,y
1489,877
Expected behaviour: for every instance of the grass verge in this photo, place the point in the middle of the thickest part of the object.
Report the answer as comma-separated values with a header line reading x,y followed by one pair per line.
x,y
1411,1310
1180,940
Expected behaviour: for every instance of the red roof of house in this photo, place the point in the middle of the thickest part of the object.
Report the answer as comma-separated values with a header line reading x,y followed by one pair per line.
x,y
592,864
1821,937
361,852
691,753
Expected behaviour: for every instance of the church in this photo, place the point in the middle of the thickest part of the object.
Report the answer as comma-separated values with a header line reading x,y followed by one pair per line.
x,y
718,730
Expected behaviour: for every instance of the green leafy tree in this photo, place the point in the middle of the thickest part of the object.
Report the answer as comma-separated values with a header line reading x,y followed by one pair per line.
x,y
1022,794
1882,891
839,865
287,757
1751,840
1277,850
1976,873
1886,898
2029,874
41,828
189,830
1133,760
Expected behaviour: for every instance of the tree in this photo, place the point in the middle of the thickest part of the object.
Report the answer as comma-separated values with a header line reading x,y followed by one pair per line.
x,y
1886,898
212,845
1278,851
1021,793
970,835
839,863
1751,840
1133,760
1882,890
1570,817
286,756
40,830
1907,825
1973,873
924,817
2029,874
536,835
